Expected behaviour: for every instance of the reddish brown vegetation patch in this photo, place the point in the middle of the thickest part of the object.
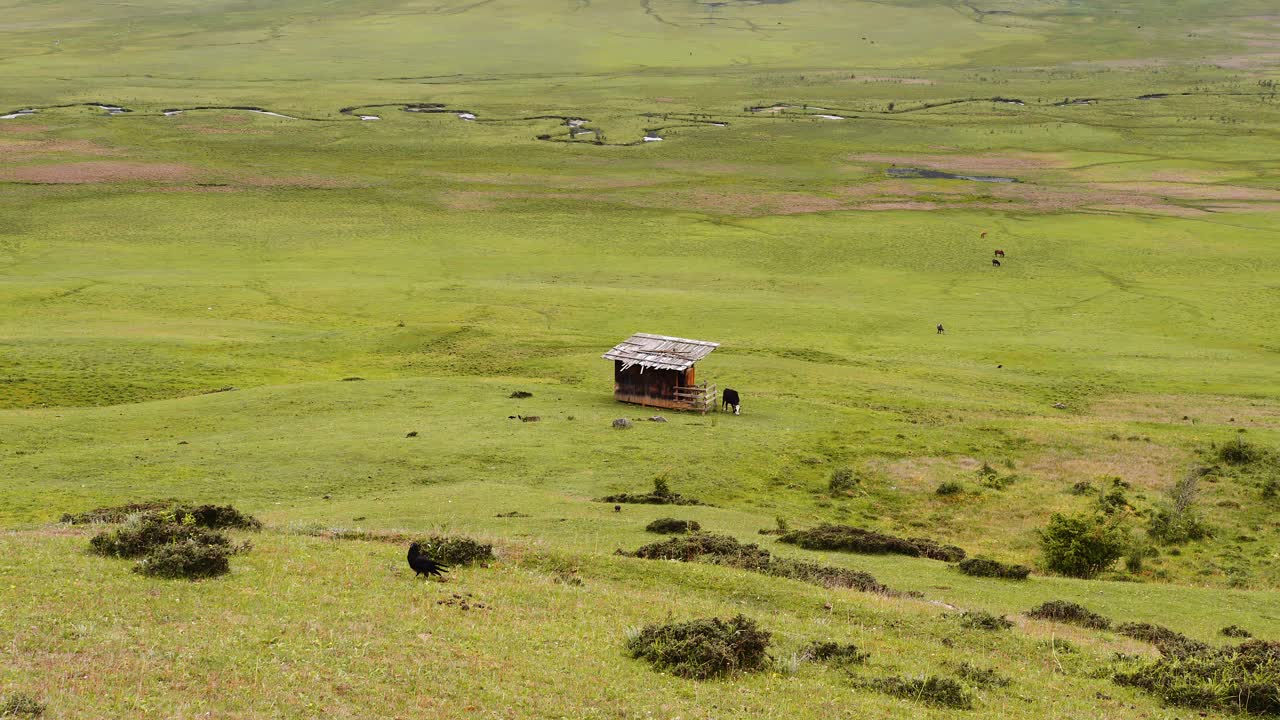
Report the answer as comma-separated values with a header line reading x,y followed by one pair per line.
x,y
960,163
99,172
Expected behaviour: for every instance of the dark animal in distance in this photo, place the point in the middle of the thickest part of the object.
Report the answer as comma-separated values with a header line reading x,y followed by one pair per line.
x,y
424,565
730,398
999,253
983,235
995,262
941,330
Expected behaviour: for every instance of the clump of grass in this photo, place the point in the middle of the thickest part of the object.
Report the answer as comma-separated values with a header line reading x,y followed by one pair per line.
x,y
702,649
457,551
662,495
983,620
932,690
188,559
672,526
985,567
1168,642
1235,631
1084,487
846,538
843,481
981,677
20,704
999,482
1239,452
833,653
116,513
726,550
1244,679
949,488
1065,611
216,517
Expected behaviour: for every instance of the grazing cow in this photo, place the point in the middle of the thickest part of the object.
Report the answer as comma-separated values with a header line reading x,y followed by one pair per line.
x,y
995,262
730,398
941,330
999,253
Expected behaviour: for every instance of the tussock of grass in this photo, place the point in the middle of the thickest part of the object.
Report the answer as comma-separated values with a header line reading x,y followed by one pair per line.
x,y
981,677
207,516
1245,678
932,690
189,559
1065,611
983,620
147,532
1168,642
672,526
726,550
833,653
662,495
985,567
21,705
457,551
1235,631
116,513
702,649
846,538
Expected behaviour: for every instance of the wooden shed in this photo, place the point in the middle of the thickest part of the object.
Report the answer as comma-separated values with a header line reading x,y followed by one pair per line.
x,y
657,371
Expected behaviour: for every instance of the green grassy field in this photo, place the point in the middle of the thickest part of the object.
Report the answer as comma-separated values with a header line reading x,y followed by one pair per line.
x,y
184,293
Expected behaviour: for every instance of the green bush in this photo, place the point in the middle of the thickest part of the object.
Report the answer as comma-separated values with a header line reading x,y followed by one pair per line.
x,y
1065,611
1082,545
1243,679
116,513
662,495
985,567
21,705
981,677
1168,642
833,653
1239,452
188,559
983,620
672,526
1235,631
457,551
846,538
703,649
949,488
932,690
843,481
146,532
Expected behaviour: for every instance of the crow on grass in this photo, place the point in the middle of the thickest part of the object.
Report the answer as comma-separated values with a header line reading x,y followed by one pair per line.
x,y
424,564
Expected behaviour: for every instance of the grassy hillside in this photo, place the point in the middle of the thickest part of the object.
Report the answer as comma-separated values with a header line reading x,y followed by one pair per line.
x,y
233,289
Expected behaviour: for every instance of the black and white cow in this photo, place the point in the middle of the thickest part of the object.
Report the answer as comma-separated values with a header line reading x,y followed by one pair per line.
x,y
730,398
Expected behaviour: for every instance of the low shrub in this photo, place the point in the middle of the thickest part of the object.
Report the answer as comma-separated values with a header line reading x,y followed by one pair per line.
x,y
932,690
672,526
216,517
949,488
843,481
1169,642
998,482
833,653
726,550
1244,679
704,648
982,677
21,705
1082,545
457,551
188,559
146,532
983,620
116,513
1084,487
662,495
1065,611
846,538
1271,489
985,567
1239,452
1235,631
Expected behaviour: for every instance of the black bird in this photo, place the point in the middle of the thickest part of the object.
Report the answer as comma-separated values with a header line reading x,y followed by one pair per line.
x,y
423,564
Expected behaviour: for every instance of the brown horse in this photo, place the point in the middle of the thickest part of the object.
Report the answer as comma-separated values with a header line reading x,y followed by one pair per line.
x,y
999,253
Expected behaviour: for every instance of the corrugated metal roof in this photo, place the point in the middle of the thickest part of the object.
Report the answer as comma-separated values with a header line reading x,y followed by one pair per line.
x,y
660,352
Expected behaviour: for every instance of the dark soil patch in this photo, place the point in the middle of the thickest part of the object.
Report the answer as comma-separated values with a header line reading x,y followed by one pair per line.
x,y
672,526
1168,642
927,174
512,514
702,649
845,538
520,394
1243,679
984,567
1065,611
726,550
